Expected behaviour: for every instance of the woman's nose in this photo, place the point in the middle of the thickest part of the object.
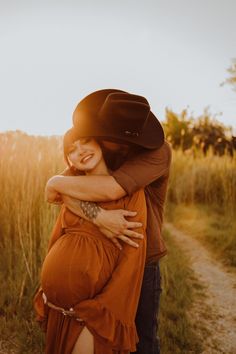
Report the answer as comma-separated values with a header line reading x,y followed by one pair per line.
x,y
81,149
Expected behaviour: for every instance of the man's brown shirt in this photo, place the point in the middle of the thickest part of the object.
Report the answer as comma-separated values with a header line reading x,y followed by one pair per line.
x,y
149,170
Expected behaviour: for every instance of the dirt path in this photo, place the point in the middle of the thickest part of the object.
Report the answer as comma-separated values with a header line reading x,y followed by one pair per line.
x,y
213,315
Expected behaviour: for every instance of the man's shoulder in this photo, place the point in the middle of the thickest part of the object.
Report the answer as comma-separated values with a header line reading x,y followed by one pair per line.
x,y
164,152
144,168
165,149
150,157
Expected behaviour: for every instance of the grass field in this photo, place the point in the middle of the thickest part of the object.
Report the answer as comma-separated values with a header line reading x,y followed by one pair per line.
x,y
209,180
202,201
26,220
216,229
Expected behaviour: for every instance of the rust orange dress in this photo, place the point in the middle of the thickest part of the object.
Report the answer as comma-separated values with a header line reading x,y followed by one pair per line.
x,y
85,271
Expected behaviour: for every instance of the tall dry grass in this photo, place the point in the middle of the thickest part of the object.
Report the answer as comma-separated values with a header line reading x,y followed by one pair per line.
x,y
209,180
26,162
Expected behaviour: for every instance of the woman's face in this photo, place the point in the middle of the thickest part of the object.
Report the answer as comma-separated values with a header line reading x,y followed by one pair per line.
x,y
85,154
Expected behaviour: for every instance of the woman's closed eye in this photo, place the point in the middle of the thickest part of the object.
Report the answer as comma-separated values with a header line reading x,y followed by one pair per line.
x,y
71,149
84,140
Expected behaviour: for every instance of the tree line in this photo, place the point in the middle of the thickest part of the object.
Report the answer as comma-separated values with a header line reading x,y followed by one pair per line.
x,y
203,133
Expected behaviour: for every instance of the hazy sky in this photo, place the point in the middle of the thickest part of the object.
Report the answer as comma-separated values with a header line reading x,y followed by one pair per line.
x,y
53,53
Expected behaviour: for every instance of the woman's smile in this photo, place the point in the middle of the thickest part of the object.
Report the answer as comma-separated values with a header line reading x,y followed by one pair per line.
x,y
86,158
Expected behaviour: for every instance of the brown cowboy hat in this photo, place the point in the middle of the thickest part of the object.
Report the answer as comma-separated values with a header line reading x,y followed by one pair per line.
x,y
119,116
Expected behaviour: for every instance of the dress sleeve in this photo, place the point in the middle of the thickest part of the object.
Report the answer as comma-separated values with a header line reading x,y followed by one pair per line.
x,y
110,316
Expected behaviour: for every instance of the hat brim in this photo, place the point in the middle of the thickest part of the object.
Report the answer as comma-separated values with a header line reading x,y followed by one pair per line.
x,y
152,137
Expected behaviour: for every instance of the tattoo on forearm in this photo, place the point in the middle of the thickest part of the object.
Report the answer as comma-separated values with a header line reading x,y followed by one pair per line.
x,y
90,209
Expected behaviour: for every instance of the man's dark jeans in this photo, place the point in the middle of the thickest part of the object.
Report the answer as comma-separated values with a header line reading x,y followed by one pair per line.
x,y
146,318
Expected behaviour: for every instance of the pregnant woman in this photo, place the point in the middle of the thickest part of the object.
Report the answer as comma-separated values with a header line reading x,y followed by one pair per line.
x,y
89,288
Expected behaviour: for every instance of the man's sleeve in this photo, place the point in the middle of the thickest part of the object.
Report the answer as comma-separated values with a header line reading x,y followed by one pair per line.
x,y
144,169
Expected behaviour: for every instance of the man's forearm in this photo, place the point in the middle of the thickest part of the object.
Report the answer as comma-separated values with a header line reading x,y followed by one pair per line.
x,y
88,188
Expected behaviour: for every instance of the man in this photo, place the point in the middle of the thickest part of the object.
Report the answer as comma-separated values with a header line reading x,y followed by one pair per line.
x,y
119,119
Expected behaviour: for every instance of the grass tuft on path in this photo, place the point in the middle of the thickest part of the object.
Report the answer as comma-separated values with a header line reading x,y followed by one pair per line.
x,y
179,290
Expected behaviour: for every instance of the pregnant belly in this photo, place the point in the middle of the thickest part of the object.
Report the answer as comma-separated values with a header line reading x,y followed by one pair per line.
x,y
76,268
